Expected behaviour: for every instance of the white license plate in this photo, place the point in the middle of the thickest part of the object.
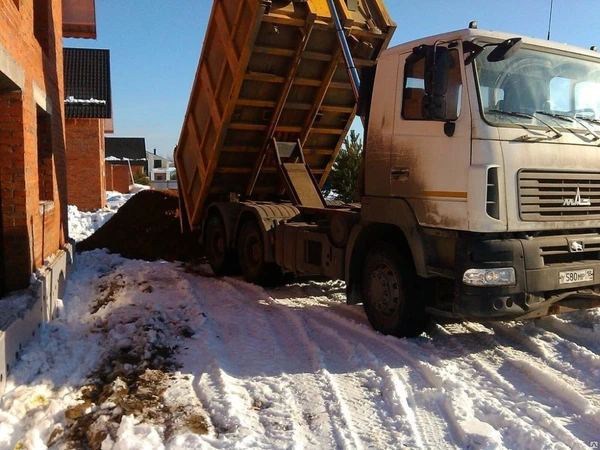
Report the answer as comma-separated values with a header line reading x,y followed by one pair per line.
x,y
575,276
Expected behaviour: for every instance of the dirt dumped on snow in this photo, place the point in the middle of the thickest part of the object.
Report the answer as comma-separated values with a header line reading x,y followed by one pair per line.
x,y
132,378
146,227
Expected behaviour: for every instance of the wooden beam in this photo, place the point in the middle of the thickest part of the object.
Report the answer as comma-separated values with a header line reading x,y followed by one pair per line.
x,y
320,96
257,103
283,96
240,149
225,36
334,156
247,126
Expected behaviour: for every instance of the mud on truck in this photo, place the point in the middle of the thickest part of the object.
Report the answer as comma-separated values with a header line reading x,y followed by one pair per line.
x,y
480,197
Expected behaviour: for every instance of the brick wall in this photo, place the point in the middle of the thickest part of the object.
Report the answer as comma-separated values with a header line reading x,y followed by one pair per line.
x,y
85,163
32,182
118,177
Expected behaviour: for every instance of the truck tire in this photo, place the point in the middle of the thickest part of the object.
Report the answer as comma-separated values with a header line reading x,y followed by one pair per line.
x,y
390,294
222,260
251,253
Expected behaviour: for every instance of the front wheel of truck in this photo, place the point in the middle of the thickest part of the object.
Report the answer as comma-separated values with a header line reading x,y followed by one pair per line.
x,y
390,294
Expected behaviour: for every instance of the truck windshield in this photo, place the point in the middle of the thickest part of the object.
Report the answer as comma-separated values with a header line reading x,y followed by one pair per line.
x,y
533,88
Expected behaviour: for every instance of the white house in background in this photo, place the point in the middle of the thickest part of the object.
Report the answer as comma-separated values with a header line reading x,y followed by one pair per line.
x,y
159,167
163,174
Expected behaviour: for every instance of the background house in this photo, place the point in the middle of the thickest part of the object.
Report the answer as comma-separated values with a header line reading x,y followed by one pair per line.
x,y
161,171
88,110
124,156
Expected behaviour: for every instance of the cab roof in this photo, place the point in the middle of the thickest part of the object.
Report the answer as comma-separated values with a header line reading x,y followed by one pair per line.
x,y
475,34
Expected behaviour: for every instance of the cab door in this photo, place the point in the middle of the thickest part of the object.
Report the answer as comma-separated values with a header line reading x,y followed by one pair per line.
x,y
430,151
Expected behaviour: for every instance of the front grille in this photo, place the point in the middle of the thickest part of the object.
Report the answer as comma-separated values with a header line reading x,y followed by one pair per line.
x,y
546,196
560,254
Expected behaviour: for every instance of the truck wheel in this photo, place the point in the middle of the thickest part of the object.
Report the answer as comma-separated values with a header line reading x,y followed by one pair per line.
x,y
251,252
389,293
221,259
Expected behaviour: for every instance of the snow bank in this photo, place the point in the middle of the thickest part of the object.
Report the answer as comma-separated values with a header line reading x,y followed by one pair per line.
x,y
83,224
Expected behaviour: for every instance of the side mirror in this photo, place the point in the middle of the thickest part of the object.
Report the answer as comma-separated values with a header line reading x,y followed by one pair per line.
x,y
437,65
434,107
505,49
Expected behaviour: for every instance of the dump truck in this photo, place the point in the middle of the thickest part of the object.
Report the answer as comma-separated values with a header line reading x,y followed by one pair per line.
x,y
480,187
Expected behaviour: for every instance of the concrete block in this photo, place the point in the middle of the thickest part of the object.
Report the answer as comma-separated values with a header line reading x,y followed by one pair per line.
x,y
22,313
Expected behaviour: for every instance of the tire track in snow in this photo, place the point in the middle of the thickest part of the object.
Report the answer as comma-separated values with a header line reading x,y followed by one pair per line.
x,y
309,382
377,425
496,398
344,433
582,336
268,359
223,397
565,388
526,401
580,377
422,385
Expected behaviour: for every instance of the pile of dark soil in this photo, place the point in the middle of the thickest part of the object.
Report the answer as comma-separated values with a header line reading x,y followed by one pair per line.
x,y
146,227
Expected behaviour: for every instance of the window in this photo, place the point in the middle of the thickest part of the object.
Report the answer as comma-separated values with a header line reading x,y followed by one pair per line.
x,y
45,156
533,82
41,23
414,87
157,164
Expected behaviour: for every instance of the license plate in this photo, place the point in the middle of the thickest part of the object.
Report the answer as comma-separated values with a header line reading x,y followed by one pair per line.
x,y
575,276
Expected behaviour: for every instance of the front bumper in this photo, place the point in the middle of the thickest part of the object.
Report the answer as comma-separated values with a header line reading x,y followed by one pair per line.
x,y
538,262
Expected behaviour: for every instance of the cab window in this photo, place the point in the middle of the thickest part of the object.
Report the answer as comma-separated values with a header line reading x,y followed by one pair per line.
x,y
414,88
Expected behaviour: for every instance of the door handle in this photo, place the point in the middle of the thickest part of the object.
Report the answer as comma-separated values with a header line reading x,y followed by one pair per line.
x,y
400,173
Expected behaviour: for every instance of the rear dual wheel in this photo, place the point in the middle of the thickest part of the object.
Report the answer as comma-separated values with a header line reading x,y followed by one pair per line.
x,y
222,260
251,253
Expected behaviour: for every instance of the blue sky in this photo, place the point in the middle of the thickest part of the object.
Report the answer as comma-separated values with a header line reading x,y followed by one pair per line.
x,y
155,46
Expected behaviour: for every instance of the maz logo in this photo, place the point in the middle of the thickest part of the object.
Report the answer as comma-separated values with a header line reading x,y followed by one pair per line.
x,y
577,246
577,201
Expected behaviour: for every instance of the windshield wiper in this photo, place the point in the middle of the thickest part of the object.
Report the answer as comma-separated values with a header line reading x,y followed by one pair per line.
x,y
527,116
572,119
512,113
556,116
588,119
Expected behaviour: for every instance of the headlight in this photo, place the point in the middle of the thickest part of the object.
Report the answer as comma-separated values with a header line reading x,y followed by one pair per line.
x,y
504,276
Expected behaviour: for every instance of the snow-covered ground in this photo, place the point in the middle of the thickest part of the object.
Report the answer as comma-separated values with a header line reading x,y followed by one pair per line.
x,y
160,355
82,224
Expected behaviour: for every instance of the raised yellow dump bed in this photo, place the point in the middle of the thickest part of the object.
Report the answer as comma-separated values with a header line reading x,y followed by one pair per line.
x,y
271,70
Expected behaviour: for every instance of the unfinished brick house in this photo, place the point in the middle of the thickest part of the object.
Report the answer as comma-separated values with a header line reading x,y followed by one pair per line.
x,y
33,190
88,111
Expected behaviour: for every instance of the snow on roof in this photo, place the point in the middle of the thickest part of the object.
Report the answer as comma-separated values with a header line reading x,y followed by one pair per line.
x,y
89,101
114,158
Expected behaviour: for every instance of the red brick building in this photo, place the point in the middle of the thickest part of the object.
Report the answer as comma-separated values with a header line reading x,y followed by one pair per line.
x,y
124,156
88,111
33,189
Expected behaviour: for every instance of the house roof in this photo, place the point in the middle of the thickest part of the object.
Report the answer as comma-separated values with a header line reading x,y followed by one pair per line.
x,y
125,148
151,155
87,83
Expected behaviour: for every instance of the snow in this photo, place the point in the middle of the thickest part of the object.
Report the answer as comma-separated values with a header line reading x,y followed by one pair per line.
x,y
83,224
136,187
166,356
85,101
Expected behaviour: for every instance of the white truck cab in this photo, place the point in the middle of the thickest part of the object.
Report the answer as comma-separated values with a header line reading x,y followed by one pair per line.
x,y
483,148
